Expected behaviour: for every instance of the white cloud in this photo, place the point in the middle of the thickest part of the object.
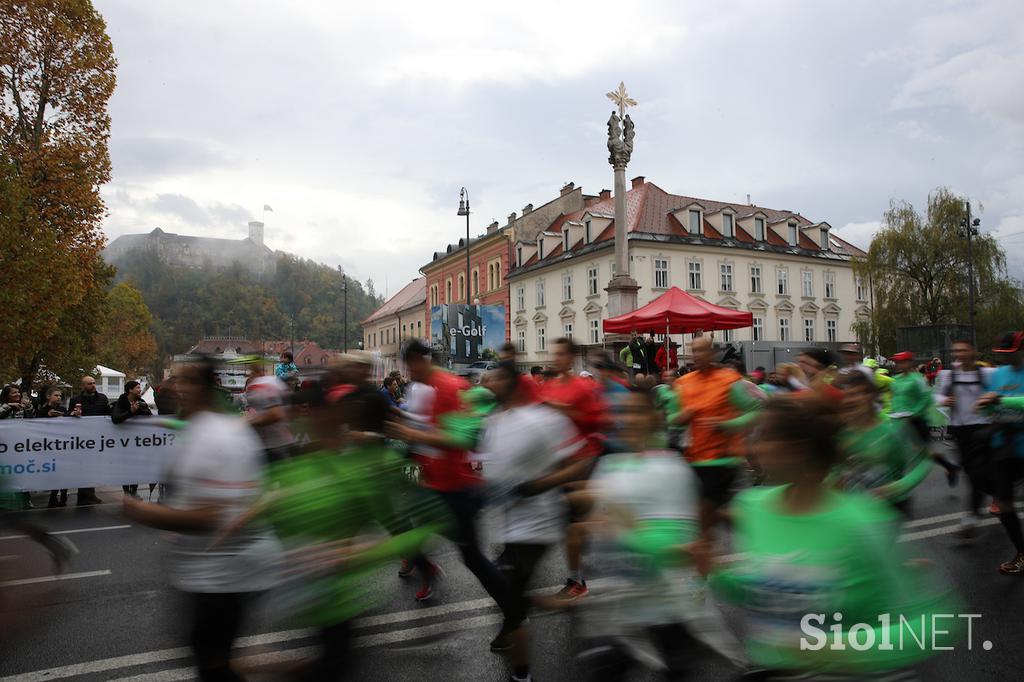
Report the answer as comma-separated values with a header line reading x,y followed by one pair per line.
x,y
358,123
859,234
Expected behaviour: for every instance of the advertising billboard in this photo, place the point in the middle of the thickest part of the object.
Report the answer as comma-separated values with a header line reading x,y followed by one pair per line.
x,y
463,334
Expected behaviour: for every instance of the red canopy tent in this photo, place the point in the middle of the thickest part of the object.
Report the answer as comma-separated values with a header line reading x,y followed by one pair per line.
x,y
677,312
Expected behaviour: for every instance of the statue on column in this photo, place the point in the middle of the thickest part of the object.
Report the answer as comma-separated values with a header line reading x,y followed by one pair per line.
x,y
620,140
620,128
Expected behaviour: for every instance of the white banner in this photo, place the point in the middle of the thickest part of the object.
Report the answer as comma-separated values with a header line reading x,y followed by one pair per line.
x,y
67,452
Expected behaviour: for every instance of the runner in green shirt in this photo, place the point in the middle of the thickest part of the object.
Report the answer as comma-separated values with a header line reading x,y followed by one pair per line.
x,y
336,511
912,400
807,552
879,454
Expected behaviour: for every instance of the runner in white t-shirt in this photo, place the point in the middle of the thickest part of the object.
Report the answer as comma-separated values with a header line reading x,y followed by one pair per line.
x,y
267,413
216,476
525,449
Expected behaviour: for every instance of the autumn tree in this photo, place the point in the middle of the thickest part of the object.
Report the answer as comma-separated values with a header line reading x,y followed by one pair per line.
x,y
57,73
918,269
125,340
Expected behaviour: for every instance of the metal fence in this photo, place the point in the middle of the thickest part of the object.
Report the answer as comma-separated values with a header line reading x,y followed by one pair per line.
x,y
932,340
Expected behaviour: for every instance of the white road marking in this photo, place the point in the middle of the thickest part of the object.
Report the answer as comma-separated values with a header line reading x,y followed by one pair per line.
x,y
945,530
932,520
176,674
70,532
54,578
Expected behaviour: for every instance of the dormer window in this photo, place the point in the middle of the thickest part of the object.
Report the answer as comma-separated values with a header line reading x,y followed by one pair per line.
x,y
792,234
565,240
825,244
540,249
728,229
694,221
759,229
586,231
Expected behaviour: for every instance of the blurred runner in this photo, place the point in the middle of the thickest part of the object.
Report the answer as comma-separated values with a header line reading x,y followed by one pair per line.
x,y
581,400
646,507
527,450
878,454
912,400
1007,441
959,389
441,437
331,507
707,402
812,555
267,412
215,478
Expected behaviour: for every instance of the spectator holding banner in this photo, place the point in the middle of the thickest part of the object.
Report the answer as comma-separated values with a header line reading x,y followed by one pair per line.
x,y
51,407
13,405
130,404
89,403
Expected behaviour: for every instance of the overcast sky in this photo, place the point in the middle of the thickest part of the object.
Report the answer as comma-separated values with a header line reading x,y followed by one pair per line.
x,y
359,122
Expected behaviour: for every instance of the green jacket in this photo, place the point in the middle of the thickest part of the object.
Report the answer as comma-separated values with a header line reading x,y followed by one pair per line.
x,y
330,496
910,395
842,558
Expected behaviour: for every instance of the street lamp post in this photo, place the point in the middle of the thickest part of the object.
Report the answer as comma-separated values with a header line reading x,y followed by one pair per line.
x,y
344,290
464,210
969,229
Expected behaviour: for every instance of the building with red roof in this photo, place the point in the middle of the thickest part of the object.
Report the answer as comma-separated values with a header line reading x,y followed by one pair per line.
x,y
400,318
792,273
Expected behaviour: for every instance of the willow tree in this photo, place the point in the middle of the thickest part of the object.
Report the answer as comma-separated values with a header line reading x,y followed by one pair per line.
x,y
918,267
57,74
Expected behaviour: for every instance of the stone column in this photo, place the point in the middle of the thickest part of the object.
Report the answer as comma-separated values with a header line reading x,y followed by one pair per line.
x,y
622,289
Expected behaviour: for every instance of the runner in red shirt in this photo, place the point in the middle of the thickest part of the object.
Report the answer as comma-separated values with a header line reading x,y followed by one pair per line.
x,y
579,399
529,387
441,447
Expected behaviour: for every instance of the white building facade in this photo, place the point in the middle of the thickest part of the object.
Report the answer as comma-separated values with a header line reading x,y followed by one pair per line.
x,y
793,275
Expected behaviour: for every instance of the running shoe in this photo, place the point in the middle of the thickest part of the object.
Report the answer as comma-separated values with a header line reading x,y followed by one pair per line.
x,y
426,590
573,590
1014,566
503,641
407,568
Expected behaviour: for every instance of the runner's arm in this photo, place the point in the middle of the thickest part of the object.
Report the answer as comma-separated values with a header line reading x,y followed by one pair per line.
x,y
162,517
742,396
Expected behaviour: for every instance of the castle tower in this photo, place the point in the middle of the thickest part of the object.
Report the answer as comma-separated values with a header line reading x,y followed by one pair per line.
x,y
256,232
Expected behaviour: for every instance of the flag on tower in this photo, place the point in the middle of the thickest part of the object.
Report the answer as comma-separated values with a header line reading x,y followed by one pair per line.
x,y
266,207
